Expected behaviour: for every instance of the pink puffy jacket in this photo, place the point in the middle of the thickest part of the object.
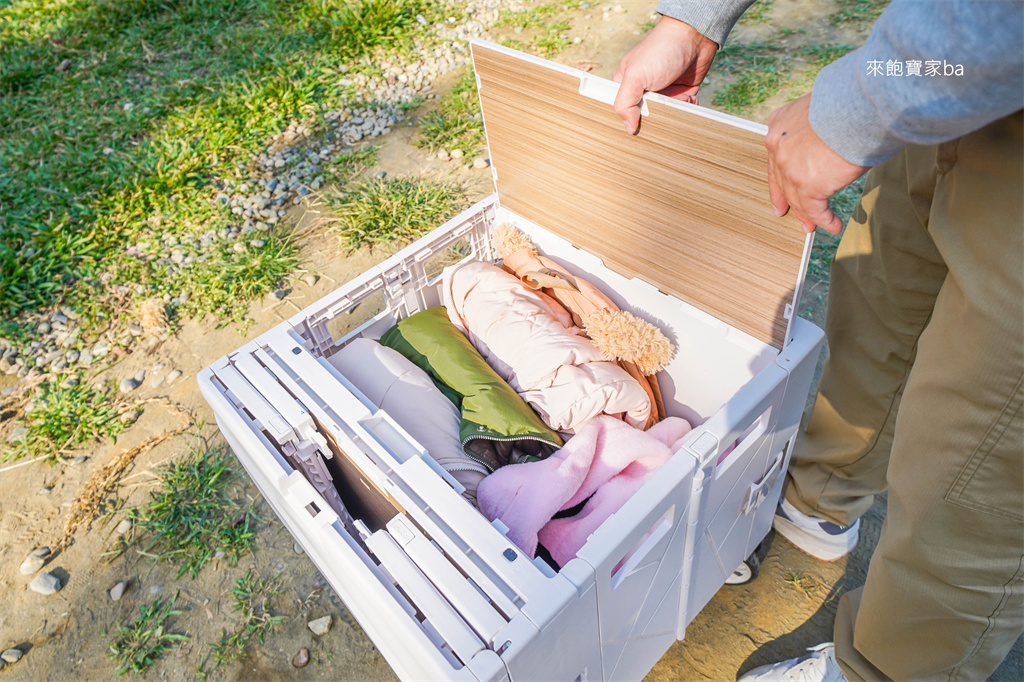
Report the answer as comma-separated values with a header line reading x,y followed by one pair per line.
x,y
531,342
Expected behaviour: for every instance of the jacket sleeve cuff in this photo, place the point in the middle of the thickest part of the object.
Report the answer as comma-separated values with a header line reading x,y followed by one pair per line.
x,y
713,19
846,117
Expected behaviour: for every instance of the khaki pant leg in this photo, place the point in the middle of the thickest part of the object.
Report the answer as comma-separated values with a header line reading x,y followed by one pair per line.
x,y
885,277
944,594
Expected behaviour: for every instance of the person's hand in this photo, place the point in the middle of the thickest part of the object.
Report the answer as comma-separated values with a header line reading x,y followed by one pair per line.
x,y
672,59
803,172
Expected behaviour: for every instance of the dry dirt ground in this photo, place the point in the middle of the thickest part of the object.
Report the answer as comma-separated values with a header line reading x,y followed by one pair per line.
x,y
789,607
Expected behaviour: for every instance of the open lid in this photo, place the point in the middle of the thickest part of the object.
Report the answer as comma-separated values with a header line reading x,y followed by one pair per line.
x,y
683,205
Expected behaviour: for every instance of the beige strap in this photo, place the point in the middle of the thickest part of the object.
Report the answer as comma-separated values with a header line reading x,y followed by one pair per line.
x,y
548,279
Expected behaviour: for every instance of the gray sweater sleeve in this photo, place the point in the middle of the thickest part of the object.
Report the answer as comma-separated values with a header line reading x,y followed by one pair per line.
x,y
712,18
970,57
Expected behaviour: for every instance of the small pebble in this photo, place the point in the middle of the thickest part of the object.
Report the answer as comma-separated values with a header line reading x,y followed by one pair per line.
x,y
43,551
156,381
131,416
174,374
219,554
124,526
155,589
31,565
310,278
458,153
45,584
140,377
135,329
480,163
279,294
11,655
297,548
81,459
45,490
320,626
257,243
85,357
301,659
128,385
64,66
117,591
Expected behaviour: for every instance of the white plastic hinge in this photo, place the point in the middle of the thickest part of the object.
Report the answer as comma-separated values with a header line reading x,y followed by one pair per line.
x,y
705,446
787,312
402,534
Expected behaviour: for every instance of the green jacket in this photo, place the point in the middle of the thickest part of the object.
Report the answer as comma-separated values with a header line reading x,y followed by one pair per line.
x,y
498,427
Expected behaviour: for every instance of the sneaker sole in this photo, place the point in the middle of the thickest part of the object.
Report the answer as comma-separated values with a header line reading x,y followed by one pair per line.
x,y
812,545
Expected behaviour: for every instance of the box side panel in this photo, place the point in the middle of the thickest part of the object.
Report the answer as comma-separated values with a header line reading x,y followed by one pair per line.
x,y
384,614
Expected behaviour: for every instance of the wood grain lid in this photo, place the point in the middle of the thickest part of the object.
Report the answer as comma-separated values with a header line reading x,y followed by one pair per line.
x,y
683,205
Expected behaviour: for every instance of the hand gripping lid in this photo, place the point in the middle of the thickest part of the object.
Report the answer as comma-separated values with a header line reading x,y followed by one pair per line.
x,y
683,205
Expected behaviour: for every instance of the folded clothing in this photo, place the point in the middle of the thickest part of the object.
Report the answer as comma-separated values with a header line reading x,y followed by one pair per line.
x,y
606,461
404,391
532,342
495,426
639,347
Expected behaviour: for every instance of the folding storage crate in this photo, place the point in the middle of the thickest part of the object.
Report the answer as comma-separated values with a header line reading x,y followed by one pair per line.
x,y
674,225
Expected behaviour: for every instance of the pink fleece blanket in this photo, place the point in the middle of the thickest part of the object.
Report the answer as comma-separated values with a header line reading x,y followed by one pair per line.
x,y
607,460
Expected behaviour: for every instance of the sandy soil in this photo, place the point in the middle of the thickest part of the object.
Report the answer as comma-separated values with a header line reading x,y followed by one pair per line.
x,y
63,635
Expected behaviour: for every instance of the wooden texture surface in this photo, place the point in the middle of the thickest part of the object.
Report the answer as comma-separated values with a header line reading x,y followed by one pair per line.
x,y
683,205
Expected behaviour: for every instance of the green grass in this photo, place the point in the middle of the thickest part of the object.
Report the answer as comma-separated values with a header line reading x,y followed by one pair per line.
x,y
825,244
136,647
758,12
381,212
751,88
121,119
818,57
194,514
857,11
252,601
543,30
64,417
553,39
232,278
456,123
759,73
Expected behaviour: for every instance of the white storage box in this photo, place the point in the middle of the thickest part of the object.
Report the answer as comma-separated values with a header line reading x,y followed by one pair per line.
x,y
440,590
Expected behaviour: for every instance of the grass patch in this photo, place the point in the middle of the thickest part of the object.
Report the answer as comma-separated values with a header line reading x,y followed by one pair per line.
x,y
857,11
456,124
136,647
818,57
757,13
380,212
119,120
825,244
252,600
553,39
751,88
194,514
231,279
545,33
64,417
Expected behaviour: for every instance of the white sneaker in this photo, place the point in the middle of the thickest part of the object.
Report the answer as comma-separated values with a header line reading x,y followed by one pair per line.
x,y
821,539
819,666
